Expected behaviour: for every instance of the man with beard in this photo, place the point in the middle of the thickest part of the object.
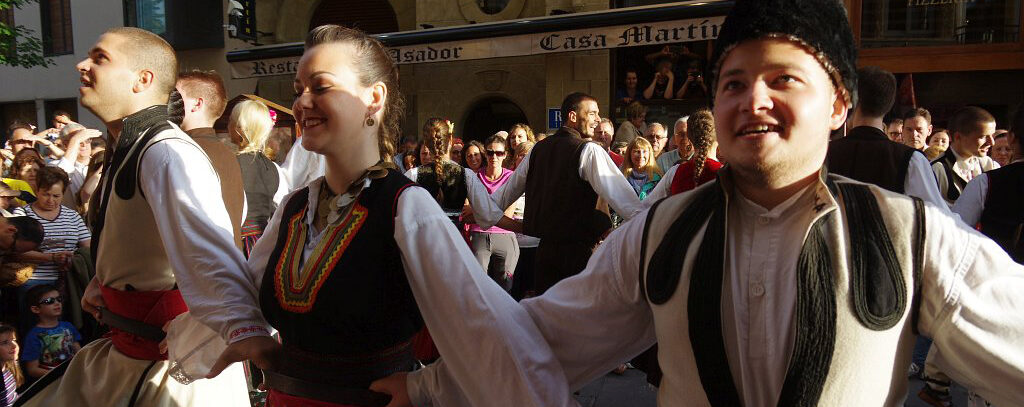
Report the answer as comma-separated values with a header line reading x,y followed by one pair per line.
x,y
778,283
162,238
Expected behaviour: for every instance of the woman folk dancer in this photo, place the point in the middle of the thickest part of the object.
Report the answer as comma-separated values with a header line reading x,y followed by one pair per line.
x,y
704,165
344,260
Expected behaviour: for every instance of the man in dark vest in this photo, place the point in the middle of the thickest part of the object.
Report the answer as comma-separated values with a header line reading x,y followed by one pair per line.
x,y
205,100
992,200
866,154
972,129
563,176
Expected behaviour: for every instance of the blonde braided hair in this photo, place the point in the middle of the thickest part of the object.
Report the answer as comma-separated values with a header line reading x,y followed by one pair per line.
x,y
701,132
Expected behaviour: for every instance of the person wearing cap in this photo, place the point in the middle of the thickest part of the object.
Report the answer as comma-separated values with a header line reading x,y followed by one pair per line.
x,y
778,283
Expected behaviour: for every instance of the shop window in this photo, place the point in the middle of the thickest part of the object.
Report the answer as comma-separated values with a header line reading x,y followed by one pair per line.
x,y
686,64
911,23
56,20
492,6
488,116
185,24
372,16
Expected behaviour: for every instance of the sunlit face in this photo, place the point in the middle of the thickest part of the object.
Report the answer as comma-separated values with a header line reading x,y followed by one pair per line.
x,y
50,198
587,118
939,140
657,137
640,157
7,235
520,156
495,155
631,80
915,131
604,133
8,347
517,137
977,141
774,108
1001,151
679,136
474,157
84,148
107,77
28,173
20,140
331,104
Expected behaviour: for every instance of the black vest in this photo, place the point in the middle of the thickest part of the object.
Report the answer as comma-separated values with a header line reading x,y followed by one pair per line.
x,y
260,180
358,300
1003,217
561,205
450,193
867,155
954,182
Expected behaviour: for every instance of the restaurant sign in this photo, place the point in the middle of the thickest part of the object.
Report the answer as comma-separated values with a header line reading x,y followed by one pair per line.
x,y
630,35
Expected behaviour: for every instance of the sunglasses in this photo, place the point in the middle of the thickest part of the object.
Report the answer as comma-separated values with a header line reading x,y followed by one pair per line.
x,y
492,153
51,300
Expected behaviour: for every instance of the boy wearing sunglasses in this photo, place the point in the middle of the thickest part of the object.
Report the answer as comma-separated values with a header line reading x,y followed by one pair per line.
x,y
51,341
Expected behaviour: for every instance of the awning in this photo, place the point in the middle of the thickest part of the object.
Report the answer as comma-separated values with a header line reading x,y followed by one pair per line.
x,y
625,27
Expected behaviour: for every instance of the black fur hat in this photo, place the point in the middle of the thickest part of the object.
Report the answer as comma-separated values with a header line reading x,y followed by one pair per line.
x,y
820,25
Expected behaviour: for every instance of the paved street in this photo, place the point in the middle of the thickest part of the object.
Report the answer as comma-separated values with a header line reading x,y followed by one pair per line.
x,y
631,390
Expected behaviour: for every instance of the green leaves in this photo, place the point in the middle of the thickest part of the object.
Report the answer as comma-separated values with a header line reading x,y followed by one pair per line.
x,y
19,46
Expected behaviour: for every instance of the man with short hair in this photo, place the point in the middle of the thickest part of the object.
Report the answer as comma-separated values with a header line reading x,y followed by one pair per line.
x,y
563,176
895,130
161,236
78,154
778,283
867,155
683,150
204,98
917,126
972,129
603,135
657,135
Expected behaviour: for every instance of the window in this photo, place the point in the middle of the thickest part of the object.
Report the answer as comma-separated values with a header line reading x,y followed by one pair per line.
x,y
907,23
185,24
56,19
492,6
149,15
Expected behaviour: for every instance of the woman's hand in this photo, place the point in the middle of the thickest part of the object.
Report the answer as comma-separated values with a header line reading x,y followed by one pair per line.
x,y
262,350
395,387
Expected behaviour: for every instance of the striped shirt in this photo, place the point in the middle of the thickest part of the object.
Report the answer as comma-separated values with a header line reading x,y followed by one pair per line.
x,y
59,235
10,389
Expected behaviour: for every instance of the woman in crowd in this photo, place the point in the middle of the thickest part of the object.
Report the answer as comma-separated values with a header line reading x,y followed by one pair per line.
x,y
410,160
346,263
629,92
25,167
10,370
1001,151
522,281
640,170
473,155
64,232
496,248
635,124
448,182
517,134
249,128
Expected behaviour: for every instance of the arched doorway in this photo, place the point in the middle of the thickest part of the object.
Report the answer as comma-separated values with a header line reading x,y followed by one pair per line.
x,y
372,16
488,116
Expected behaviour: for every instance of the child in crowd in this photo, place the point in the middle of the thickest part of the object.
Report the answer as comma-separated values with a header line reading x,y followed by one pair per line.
x,y
51,341
9,369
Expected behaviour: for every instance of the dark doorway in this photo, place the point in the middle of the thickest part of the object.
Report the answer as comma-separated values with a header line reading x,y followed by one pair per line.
x,y
488,116
372,16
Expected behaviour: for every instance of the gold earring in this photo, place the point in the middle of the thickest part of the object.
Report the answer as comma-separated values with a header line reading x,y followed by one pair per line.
x,y
370,122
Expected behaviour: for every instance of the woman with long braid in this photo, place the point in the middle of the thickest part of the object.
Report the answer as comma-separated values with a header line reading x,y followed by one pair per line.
x,y
450,184
352,265
704,165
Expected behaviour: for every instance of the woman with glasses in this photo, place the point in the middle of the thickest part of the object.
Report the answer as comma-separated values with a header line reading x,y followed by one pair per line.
x,y
495,248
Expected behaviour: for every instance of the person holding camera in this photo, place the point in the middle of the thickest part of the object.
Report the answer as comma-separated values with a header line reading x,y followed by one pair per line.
x,y
694,86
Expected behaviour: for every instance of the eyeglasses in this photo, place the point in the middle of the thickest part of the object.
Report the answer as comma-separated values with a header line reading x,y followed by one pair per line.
x,y
492,153
51,300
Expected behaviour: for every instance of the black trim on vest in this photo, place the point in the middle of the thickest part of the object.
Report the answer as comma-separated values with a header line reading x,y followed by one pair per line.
x,y
704,309
877,287
816,322
919,233
954,183
643,244
666,265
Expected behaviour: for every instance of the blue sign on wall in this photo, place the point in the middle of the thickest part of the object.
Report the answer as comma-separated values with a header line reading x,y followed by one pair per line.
x,y
554,118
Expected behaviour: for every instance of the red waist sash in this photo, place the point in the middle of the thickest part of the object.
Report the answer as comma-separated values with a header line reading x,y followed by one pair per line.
x,y
153,308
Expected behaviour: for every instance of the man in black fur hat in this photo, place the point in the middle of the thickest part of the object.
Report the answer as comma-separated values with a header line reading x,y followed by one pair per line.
x,y
780,284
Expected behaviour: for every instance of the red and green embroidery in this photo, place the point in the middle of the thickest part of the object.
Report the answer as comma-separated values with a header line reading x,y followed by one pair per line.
x,y
296,288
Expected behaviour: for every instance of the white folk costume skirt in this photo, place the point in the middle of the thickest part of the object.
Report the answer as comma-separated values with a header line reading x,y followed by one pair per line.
x,y
102,376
